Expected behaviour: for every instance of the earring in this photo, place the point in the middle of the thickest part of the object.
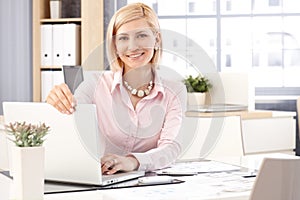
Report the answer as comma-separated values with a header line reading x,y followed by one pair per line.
x,y
156,48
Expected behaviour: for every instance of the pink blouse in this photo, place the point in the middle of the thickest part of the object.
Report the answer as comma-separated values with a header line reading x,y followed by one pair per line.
x,y
150,131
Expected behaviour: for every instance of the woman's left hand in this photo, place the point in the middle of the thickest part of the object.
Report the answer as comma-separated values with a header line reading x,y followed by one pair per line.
x,y
113,163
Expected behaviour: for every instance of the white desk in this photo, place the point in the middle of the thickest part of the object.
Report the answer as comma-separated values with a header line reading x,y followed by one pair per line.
x,y
209,186
204,186
199,187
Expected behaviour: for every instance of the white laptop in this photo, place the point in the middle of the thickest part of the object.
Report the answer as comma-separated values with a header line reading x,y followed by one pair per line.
x,y
211,108
73,147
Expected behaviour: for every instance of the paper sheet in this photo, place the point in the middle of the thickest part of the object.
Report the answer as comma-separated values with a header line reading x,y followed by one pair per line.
x,y
198,167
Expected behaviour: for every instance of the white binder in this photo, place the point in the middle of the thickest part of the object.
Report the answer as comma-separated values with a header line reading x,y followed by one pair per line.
x,y
46,45
58,38
71,44
46,86
58,77
50,78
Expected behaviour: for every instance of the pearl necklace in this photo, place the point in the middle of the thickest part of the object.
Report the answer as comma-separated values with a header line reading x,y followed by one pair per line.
x,y
139,93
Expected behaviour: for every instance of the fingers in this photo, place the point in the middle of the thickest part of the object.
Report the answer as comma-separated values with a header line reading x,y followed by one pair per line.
x,y
110,164
114,169
62,99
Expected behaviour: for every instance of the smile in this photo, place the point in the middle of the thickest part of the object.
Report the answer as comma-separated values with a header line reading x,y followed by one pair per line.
x,y
135,55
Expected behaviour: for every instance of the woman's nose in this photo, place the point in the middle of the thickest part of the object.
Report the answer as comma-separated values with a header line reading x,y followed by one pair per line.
x,y
133,44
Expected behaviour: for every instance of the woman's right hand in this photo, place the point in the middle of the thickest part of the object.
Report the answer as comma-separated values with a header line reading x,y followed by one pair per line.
x,y
62,99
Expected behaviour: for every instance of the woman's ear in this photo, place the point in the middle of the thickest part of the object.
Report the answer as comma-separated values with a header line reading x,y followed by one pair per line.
x,y
157,41
157,38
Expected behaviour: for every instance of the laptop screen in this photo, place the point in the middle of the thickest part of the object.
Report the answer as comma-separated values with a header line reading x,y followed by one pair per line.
x,y
73,145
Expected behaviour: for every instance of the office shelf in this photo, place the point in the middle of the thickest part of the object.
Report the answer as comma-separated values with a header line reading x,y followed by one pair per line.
x,y
91,22
62,20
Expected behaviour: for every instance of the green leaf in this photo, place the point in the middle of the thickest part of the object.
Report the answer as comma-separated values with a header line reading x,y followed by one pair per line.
x,y
27,135
197,84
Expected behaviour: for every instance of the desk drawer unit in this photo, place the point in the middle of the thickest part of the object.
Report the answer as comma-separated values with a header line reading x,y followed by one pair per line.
x,y
269,134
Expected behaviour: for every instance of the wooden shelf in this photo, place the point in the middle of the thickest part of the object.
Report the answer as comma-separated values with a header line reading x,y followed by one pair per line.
x,y
51,67
254,114
91,22
61,20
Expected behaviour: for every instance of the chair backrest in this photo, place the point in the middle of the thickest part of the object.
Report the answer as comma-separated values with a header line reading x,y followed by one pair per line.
x,y
278,179
232,88
298,113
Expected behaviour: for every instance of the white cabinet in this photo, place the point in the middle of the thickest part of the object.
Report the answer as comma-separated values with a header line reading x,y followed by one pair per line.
x,y
232,134
209,137
274,134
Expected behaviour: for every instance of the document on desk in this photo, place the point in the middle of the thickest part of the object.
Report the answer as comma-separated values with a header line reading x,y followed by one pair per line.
x,y
212,186
193,168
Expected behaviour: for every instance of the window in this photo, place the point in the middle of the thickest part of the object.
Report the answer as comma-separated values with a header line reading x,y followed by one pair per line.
x,y
259,36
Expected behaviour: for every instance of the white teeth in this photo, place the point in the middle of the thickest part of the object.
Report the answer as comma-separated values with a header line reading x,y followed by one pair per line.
x,y
135,55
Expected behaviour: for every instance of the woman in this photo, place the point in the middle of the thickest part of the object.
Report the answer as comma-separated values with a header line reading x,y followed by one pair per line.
x,y
139,113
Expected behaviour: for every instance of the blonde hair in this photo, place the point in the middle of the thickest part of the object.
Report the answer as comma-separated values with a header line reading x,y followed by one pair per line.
x,y
124,15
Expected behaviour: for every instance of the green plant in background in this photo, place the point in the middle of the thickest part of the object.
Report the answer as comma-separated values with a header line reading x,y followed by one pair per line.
x,y
27,135
197,84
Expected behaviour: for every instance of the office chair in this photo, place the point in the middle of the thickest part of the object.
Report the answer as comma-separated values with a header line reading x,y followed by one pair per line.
x,y
278,179
298,113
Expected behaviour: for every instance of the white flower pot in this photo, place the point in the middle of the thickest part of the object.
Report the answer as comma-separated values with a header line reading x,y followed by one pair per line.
x,y
28,172
196,98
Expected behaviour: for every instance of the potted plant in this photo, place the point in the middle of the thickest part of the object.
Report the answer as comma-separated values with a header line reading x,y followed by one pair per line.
x,y
197,87
27,135
28,159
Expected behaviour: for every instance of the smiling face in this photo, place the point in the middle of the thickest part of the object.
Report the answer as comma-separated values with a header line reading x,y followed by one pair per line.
x,y
135,42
